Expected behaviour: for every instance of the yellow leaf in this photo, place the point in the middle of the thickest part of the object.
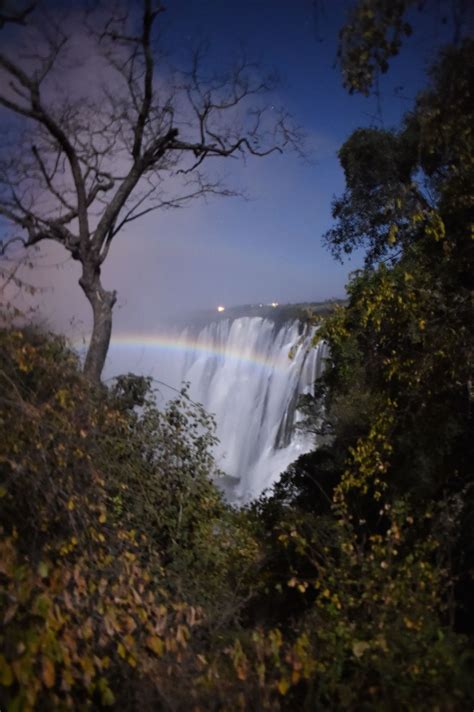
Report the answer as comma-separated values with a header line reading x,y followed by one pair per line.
x,y
283,686
121,650
295,677
359,647
103,518
62,395
47,672
106,694
392,234
155,644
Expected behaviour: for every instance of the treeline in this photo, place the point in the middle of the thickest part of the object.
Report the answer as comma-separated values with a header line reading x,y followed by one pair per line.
x,y
376,527
125,580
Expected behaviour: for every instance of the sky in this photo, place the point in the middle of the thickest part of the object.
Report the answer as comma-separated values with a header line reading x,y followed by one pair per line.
x,y
267,247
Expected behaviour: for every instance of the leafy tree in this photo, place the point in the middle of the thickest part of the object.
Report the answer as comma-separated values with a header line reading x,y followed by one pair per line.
x,y
402,184
376,30
409,324
77,167
369,539
378,167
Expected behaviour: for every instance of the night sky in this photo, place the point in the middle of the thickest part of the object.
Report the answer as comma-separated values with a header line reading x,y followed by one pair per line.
x,y
233,251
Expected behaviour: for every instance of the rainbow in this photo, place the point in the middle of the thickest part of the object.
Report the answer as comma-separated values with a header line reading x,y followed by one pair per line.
x,y
180,344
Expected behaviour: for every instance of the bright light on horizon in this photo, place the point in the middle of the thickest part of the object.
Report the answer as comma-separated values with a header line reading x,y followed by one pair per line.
x,y
220,309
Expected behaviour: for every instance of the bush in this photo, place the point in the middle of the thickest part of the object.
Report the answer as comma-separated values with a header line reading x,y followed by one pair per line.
x,y
95,500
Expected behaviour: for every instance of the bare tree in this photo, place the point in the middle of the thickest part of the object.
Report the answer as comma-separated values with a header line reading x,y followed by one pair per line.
x,y
80,166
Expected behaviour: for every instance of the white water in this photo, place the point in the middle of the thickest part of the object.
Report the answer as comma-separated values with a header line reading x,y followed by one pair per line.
x,y
241,372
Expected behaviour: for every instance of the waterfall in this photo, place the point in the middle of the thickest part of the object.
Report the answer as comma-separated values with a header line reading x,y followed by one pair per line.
x,y
241,371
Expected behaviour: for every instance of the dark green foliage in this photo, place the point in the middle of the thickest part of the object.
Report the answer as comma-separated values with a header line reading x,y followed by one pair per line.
x,y
369,539
401,184
373,35
114,543
378,167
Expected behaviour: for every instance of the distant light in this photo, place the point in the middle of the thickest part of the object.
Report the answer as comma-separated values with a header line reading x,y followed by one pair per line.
x,y
274,304
220,309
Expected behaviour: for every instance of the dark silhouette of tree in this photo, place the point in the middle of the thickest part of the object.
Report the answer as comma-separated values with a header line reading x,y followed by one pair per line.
x,y
10,12
78,166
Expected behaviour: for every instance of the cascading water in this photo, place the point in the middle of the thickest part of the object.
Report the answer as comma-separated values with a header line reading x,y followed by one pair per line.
x,y
241,371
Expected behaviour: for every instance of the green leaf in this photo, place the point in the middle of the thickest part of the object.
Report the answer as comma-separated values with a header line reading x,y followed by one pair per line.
x,y
106,695
6,673
43,569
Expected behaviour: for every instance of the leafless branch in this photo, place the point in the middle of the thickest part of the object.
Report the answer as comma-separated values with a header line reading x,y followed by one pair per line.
x,y
85,166
15,16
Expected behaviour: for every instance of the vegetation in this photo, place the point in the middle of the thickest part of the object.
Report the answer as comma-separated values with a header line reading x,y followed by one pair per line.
x,y
128,583
114,540
377,523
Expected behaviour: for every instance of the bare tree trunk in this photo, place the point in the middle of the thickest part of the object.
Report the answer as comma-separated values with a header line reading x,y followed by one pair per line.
x,y
102,303
71,180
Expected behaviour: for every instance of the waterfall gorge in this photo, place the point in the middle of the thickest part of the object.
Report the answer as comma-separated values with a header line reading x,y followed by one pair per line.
x,y
241,371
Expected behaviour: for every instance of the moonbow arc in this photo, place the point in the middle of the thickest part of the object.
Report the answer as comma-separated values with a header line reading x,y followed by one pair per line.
x,y
171,342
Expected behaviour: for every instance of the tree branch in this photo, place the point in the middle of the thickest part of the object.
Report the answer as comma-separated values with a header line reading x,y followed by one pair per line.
x,y
148,18
37,112
18,17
